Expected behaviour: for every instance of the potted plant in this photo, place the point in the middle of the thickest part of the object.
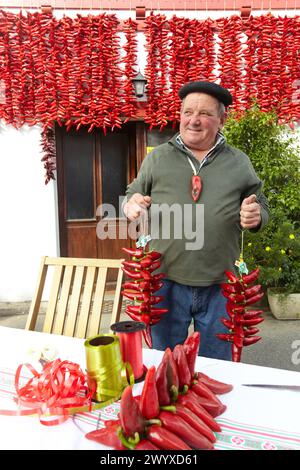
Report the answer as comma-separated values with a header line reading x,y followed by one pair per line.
x,y
274,152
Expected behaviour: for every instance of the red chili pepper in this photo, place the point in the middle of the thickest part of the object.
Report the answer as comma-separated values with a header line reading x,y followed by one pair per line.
x,y
251,331
184,431
155,299
155,265
131,285
236,353
137,253
162,382
214,406
132,295
133,274
139,317
107,436
203,391
149,404
254,299
156,286
147,336
158,277
230,288
164,439
146,275
172,375
229,324
136,309
225,336
196,187
251,340
233,309
184,374
251,321
131,418
232,277
238,340
145,444
193,420
158,311
154,255
191,349
146,262
250,291
252,314
235,298
192,404
251,277
146,297
145,285
214,385
131,265
146,319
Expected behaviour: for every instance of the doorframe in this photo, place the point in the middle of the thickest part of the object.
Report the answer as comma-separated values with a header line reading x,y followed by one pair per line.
x,y
137,144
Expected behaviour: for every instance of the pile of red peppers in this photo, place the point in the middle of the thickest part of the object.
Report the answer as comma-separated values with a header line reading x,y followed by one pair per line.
x,y
241,292
142,287
175,411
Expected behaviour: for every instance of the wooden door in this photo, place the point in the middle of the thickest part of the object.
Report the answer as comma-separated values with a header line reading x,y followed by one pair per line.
x,y
93,170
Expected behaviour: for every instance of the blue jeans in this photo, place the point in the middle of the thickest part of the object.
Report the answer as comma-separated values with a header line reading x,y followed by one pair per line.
x,y
205,306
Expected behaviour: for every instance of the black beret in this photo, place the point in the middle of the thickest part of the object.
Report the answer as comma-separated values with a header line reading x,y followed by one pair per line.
x,y
220,93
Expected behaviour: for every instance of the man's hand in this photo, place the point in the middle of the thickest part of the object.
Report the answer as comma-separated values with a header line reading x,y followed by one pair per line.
x,y
136,204
250,212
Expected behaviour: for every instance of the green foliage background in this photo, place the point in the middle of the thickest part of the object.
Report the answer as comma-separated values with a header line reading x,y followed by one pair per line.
x,y
275,154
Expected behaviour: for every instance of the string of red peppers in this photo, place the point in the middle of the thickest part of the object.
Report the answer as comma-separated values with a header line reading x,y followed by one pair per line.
x,y
175,411
129,107
65,70
48,149
69,70
241,292
142,287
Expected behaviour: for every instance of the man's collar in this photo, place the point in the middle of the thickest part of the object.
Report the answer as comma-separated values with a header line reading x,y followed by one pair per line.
x,y
220,139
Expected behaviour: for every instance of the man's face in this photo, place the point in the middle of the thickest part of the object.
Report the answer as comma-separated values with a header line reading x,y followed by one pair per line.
x,y
200,121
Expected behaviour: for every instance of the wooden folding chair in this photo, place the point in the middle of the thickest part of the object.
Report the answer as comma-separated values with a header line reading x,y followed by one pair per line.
x,y
76,299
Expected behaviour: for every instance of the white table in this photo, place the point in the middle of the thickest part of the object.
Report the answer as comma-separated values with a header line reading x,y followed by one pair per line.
x,y
276,409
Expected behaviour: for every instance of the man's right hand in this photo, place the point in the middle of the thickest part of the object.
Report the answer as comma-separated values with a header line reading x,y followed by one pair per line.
x,y
136,204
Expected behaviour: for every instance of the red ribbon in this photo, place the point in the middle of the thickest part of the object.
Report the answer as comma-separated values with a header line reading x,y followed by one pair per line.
x,y
56,391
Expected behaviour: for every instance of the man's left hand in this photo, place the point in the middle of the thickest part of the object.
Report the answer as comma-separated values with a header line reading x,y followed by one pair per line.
x,y
250,212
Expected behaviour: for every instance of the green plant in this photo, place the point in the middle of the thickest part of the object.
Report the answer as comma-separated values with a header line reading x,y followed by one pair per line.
x,y
274,152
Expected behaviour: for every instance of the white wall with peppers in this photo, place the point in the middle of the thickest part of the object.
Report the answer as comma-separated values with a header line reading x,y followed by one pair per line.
x,y
29,221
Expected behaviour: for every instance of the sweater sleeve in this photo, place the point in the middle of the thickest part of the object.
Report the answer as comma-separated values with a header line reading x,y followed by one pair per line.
x,y
255,187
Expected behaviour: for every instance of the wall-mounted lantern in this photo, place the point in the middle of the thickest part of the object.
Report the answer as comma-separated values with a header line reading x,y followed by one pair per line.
x,y
139,83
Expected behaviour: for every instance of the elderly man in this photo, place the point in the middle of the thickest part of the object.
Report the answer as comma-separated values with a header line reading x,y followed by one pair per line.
x,y
198,169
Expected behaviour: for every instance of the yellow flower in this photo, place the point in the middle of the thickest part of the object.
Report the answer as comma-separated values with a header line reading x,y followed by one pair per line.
x,y
291,236
249,244
279,269
268,248
282,252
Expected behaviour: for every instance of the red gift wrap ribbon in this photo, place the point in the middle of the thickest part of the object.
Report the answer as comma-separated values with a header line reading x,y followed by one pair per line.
x,y
130,337
59,390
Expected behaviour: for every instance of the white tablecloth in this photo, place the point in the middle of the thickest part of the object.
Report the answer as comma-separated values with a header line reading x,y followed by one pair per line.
x,y
275,409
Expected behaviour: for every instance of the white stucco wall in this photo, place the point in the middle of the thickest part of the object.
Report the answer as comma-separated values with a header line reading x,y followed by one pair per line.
x,y
28,208
28,212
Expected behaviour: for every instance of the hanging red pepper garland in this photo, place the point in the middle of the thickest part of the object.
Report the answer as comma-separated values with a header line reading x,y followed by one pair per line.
x,y
48,149
241,292
143,284
68,70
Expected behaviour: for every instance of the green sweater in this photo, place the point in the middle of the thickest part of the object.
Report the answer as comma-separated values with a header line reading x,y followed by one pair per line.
x,y
227,179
